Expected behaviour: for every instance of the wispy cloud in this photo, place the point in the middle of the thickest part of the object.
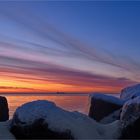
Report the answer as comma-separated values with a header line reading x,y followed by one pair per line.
x,y
66,45
45,72
28,59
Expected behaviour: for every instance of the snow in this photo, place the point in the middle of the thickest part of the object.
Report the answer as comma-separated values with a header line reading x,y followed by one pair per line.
x,y
107,98
111,117
130,92
80,125
130,111
5,132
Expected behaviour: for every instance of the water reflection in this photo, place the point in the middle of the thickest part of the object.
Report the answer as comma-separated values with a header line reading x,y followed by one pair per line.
x,y
71,103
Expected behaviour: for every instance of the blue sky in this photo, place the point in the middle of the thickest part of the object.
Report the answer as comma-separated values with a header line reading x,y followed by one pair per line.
x,y
111,25
98,38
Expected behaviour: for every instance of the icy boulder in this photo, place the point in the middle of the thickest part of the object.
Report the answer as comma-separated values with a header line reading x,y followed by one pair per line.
x,y
130,119
130,92
102,105
4,111
43,119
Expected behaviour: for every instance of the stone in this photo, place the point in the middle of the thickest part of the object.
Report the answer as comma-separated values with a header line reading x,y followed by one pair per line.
x,y
130,119
4,111
102,105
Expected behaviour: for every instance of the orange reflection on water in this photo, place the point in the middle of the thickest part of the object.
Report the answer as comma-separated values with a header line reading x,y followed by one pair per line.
x,y
68,102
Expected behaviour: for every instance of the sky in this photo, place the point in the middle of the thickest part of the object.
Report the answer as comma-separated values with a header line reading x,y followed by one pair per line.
x,y
69,46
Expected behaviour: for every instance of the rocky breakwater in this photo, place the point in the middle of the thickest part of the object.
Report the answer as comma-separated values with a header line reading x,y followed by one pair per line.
x,y
128,112
43,119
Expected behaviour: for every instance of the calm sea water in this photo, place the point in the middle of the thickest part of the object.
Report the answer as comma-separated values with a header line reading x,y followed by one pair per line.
x,y
69,102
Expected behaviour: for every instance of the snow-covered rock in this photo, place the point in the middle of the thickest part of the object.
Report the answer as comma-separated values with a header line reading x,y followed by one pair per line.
x,y
43,119
130,119
102,105
130,92
4,111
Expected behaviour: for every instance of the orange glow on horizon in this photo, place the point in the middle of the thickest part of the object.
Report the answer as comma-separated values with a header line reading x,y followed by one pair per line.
x,y
15,85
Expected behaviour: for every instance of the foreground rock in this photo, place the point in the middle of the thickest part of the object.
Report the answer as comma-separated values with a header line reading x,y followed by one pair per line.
x,y
102,105
4,111
130,119
130,92
43,119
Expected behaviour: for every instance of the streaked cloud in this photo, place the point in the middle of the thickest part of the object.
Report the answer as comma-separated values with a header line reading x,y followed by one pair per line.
x,y
31,52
